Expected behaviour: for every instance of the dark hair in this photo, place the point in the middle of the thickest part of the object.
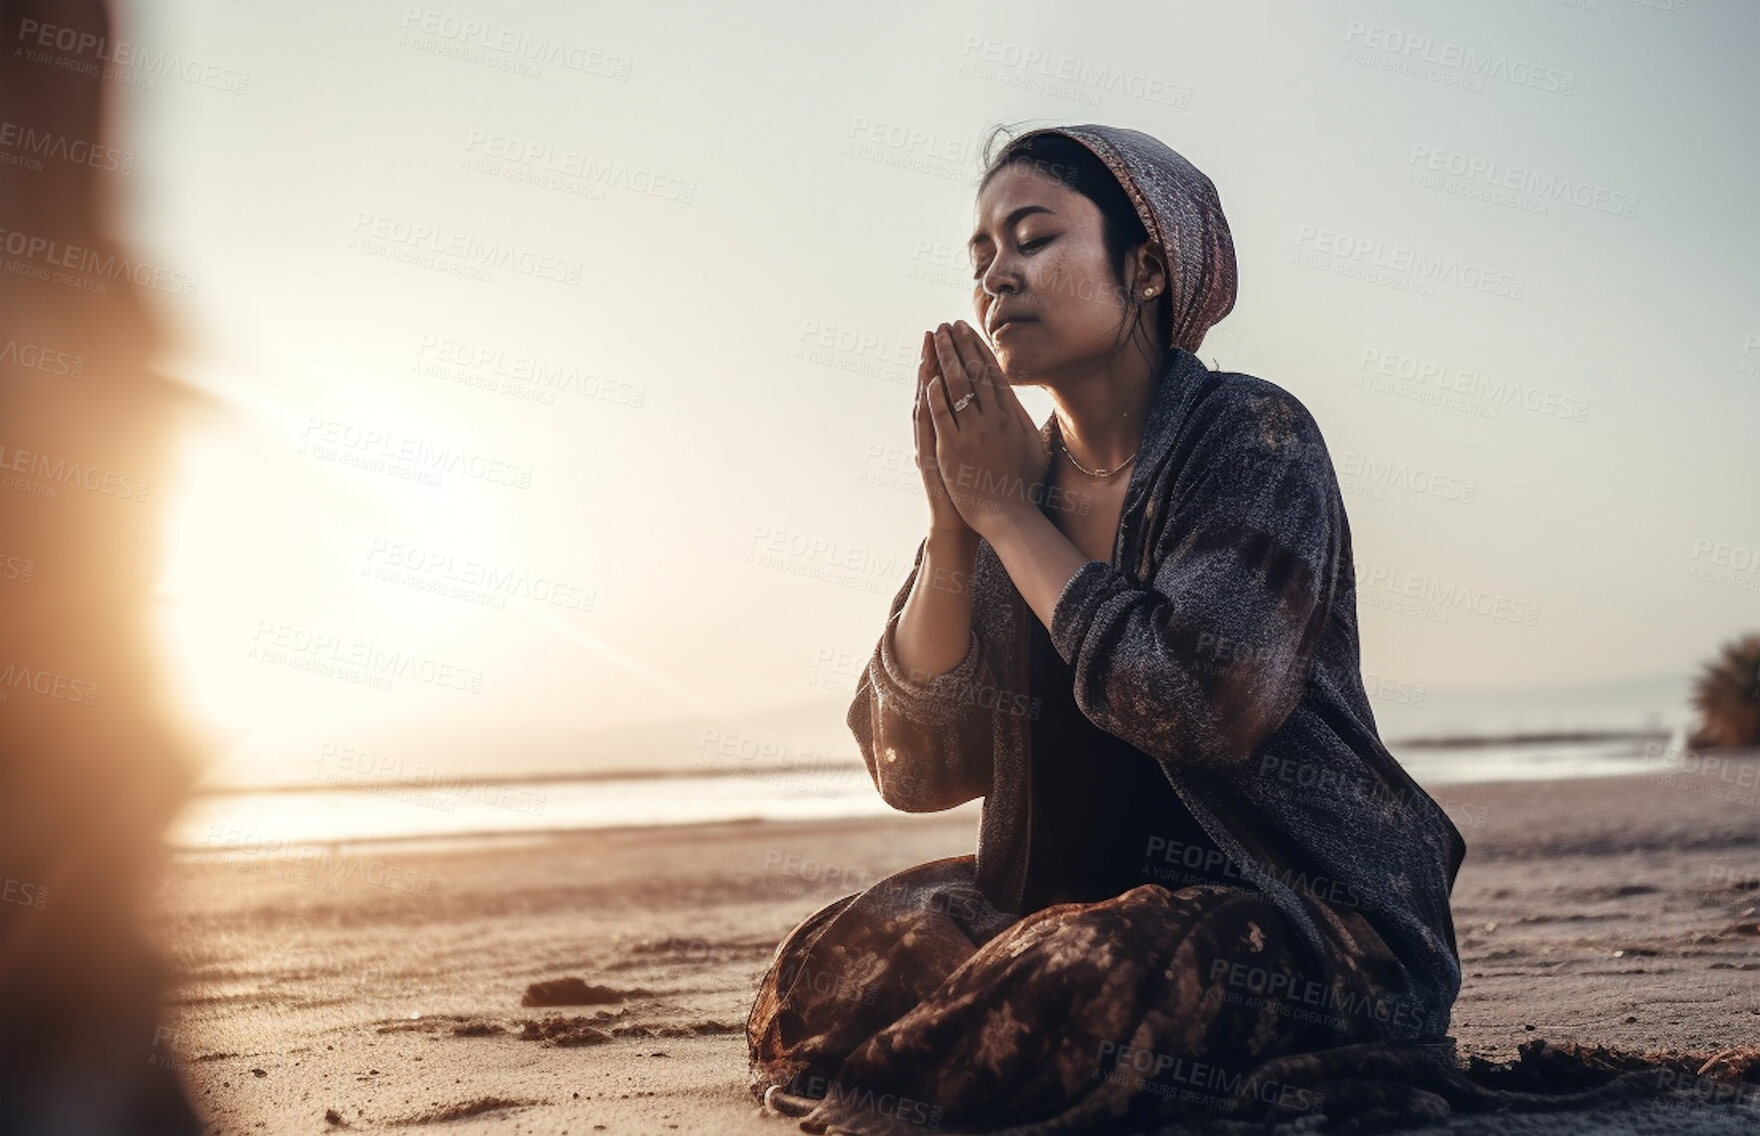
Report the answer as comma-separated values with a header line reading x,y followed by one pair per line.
x,y
1060,158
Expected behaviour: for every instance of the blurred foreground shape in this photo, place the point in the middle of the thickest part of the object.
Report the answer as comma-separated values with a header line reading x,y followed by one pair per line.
x,y
91,769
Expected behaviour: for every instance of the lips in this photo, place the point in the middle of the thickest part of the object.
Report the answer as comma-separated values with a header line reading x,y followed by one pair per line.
x,y
1007,321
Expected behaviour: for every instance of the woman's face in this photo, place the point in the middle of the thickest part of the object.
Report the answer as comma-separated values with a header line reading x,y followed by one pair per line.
x,y
1040,263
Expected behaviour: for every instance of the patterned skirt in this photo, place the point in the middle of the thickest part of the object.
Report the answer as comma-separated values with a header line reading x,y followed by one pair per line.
x,y
918,1006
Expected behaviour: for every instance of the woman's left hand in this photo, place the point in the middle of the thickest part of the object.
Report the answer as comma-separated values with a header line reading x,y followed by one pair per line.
x,y
992,457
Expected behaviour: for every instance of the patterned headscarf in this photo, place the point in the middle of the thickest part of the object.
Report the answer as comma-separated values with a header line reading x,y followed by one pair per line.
x,y
1183,214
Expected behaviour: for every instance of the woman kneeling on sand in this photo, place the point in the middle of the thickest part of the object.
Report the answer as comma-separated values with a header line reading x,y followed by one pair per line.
x,y
1133,632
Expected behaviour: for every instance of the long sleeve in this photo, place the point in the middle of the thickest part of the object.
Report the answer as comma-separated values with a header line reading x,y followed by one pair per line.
x,y
928,744
1197,665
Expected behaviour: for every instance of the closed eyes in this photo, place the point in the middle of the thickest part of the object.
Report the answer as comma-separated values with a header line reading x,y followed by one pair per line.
x,y
1026,246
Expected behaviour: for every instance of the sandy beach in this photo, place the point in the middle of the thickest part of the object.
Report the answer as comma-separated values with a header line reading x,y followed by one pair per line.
x,y
380,988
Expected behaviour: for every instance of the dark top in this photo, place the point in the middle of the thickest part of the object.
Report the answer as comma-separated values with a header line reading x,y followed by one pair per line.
x,y
1221,639
1105,818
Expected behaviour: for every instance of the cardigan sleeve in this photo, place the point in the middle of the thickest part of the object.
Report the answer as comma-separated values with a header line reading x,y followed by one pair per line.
x,y
927,744
1201,661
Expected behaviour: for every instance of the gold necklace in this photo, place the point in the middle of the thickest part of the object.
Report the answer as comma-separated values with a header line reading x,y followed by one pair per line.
x,y
1101,473
1097,472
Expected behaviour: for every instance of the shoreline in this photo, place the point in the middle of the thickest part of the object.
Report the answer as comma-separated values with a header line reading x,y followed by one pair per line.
x,y
238,820
836,765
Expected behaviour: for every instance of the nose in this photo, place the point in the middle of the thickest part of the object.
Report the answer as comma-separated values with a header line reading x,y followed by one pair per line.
x,y
1000,276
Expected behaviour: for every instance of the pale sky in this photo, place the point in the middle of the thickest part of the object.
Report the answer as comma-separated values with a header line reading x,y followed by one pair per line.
x,y
727,227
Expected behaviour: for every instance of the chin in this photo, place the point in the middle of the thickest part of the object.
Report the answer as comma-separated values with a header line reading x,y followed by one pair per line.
x,y
1017,367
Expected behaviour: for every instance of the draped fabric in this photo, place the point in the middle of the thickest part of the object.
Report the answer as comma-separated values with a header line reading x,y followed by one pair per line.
x,y
1183,214
917,1005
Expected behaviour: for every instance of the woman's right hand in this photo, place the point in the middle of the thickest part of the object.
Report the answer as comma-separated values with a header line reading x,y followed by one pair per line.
x,y
944,516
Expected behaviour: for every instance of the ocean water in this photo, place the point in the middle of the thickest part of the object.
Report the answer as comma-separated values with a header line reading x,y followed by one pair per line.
x,y
341,804
353,807
797,762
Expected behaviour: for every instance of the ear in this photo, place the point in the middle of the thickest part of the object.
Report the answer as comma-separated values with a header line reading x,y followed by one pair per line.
x,y
1149,270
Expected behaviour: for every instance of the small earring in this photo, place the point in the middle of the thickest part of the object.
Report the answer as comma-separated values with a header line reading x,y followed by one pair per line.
x,y
1147,292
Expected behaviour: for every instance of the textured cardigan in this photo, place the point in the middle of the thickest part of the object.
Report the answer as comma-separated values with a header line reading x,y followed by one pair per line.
x,y
1221,640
